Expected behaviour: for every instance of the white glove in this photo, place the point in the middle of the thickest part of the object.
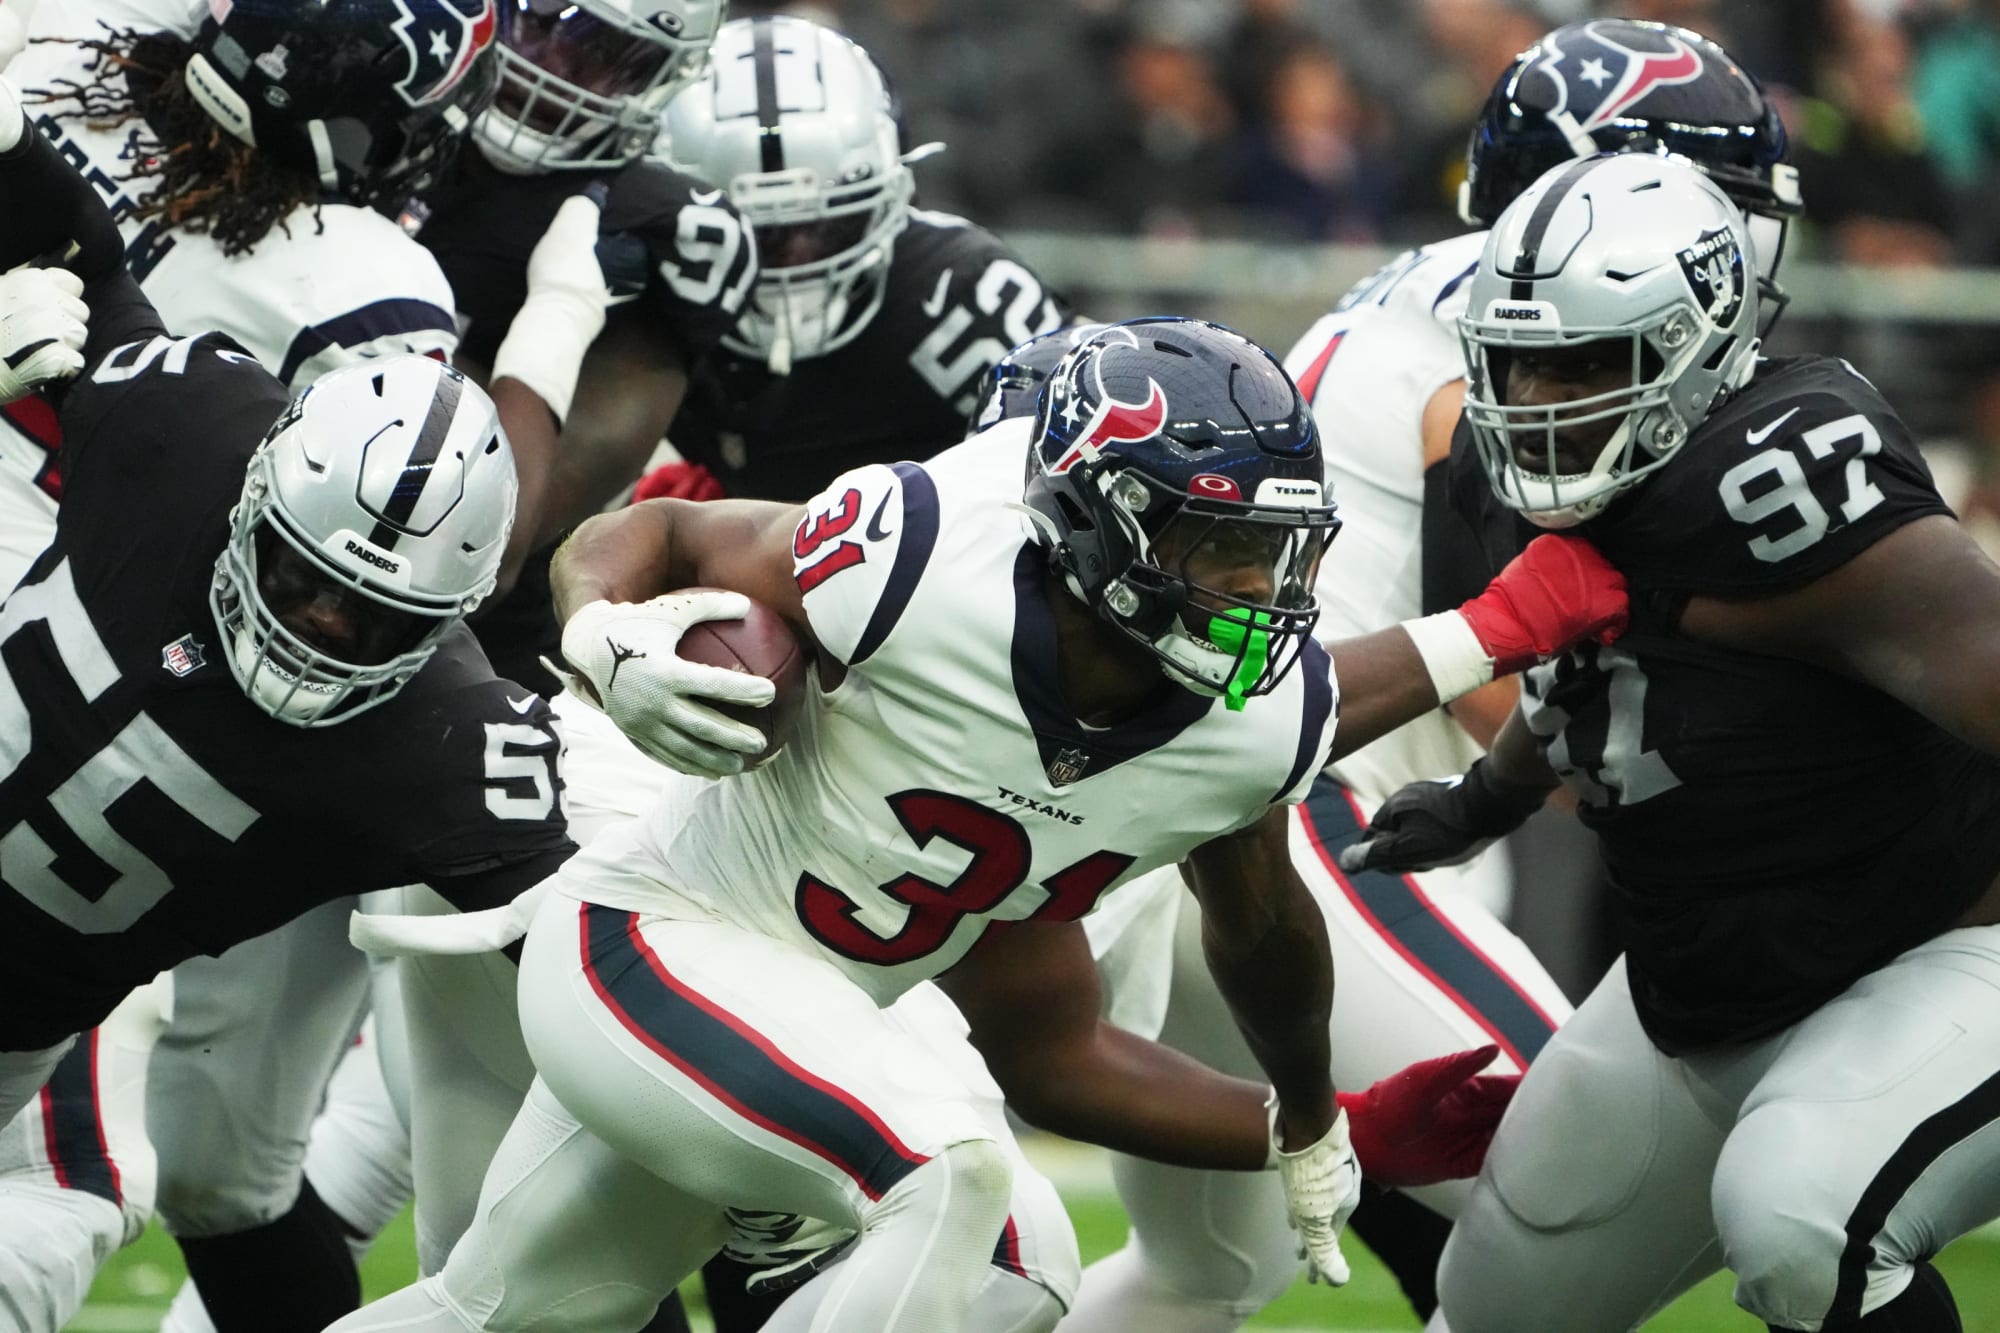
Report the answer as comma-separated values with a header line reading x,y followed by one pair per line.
x,y
564,309
626,666
1322,1189
43,321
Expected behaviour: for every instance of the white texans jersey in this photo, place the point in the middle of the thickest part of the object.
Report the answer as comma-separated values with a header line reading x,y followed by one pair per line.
x,y
326,287
1369,368
942,786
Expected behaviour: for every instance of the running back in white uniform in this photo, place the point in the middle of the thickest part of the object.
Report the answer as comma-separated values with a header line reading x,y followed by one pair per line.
x,y
704,992
942,786
1423,967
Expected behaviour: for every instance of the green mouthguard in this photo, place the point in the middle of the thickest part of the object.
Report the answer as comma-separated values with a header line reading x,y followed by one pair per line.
x,y
1228,632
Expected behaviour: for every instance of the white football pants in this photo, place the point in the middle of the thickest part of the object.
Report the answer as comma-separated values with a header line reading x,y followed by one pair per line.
x,y
1818,1164
76,1171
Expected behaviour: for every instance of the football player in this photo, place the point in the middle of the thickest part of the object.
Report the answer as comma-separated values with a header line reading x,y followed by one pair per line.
x,y
580,91
1429,967
872,324
207,136
1005,690
1791,764
209,669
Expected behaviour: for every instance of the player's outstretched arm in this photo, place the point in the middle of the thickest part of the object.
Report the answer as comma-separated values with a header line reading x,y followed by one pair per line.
x,y
1030,994
1265,942
1429,824
1557,592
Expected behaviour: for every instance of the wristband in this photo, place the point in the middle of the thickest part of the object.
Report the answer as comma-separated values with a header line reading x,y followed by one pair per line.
x,y
545,345
1457,661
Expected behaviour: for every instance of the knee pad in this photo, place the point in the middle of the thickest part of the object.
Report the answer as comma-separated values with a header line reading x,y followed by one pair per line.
x,y
1782,1228
982,1177
1559,1181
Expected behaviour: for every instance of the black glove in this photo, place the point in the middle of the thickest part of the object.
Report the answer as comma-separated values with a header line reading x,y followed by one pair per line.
x,y
1431,824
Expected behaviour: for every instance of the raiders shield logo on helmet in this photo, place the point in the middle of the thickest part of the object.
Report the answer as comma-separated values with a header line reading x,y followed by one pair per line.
x,y
1714,269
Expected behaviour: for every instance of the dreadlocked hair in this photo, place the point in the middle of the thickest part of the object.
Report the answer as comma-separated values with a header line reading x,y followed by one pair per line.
x,y
203,180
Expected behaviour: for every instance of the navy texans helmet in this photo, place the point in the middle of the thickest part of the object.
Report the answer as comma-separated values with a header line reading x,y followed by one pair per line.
x,y
1014,385
372,96
1177,484
1623,86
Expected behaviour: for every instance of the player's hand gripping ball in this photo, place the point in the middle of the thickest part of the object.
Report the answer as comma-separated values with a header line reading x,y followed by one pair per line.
x,y
760,644
628,660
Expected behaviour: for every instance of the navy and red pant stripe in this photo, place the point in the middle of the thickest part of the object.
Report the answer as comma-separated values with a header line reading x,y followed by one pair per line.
x,y
73,1125
732,1061
1404,915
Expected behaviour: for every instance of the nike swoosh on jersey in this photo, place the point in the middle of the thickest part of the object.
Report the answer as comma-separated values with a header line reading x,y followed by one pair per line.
x,y
523,706
876,533
705,197
1757,437
935,305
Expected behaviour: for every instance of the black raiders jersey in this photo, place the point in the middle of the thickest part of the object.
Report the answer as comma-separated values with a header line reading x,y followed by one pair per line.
x,y
956,301
1773,830
680,254
149,811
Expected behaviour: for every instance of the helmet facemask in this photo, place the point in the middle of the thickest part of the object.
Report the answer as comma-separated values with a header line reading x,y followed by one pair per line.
x,y
1220,591
580,89
1561,463
282,672
823,250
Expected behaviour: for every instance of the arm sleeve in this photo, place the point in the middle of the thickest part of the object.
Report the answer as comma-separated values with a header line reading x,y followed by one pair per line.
x,y
50,213
859,552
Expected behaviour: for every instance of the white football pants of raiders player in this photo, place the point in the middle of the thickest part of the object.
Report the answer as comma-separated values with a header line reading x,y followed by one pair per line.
x,y
76,1170
1422,969
531,1260
1819,1164
358,1158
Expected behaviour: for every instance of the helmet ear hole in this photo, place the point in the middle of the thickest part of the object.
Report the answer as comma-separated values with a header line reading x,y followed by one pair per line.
x,y
1074,514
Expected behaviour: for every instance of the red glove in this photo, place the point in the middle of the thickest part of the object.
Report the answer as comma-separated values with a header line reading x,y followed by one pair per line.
x,y
1556,593
679,480
1431,1122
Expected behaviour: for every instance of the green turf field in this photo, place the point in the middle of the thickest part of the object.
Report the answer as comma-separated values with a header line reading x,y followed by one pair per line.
x,y
134,1289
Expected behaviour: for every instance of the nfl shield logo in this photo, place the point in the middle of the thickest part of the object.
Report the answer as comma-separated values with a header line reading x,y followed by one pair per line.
x,y
182,656
1068,765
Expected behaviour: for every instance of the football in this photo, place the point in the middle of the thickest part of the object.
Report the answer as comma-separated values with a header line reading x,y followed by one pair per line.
x,y
762,644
